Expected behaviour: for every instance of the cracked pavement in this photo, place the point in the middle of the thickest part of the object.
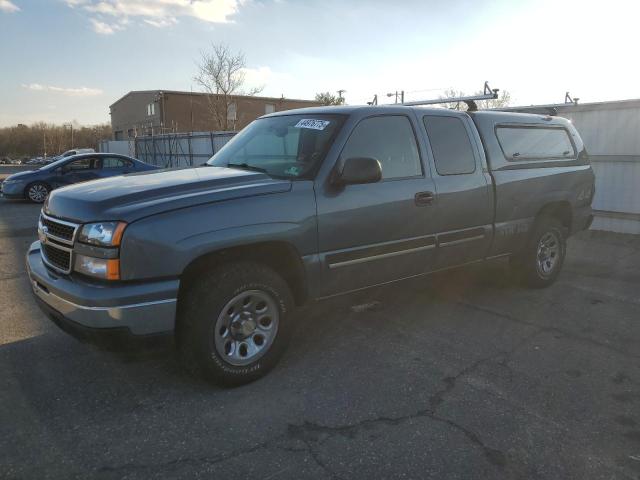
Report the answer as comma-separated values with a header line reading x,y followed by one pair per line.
x,y
462,375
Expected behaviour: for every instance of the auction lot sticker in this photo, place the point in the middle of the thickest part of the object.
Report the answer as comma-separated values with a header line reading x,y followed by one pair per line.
x,y
312,124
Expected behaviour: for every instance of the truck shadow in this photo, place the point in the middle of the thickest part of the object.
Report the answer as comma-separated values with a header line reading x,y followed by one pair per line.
x,y
49,371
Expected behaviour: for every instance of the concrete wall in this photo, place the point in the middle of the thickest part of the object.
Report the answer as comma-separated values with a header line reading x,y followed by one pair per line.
x,y
611,132
123,147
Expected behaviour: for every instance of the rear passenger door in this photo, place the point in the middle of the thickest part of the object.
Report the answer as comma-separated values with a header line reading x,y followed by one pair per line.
x,y
464,203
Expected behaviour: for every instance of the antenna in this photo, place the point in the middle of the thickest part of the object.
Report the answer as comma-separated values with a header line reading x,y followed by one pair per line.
x,y
488,94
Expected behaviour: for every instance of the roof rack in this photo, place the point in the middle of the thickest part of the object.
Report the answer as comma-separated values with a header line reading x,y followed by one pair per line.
x,y
550,109
488,94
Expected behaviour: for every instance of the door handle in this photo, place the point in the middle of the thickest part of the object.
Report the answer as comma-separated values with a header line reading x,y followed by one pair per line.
x,y
424,198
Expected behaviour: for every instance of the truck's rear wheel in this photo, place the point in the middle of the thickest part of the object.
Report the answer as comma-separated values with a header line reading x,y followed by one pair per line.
x,y
539,264
235,323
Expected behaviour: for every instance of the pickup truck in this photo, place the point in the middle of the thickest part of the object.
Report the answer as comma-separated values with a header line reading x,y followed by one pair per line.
x,y
305,205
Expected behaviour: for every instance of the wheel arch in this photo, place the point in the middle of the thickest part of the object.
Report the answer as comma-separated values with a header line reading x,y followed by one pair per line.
x,y
560,210
281,256
26,188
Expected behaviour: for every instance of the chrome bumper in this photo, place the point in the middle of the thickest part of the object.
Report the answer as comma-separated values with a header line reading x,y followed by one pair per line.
x,y
90,306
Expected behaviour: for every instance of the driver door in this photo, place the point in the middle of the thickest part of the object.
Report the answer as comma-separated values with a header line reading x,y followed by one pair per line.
x,y
79,170
379,232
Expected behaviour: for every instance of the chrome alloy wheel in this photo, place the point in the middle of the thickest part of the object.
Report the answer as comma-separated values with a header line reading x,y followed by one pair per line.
x,y
548,254
37,193
246,327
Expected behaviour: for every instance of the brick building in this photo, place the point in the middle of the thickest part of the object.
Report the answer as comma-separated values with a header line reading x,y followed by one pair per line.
x,y
148,112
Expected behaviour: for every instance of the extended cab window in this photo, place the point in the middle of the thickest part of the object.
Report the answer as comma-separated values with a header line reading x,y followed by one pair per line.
x,y
535,143
450,144
390,140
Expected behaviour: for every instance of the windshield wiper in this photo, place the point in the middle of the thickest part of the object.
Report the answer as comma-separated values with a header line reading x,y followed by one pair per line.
x,y
246,166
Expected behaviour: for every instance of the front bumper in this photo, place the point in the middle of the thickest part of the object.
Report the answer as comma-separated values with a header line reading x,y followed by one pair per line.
x,y
139,308
12,190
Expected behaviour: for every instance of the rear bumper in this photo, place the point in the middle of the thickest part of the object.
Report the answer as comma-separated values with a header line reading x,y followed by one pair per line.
x,y
78,306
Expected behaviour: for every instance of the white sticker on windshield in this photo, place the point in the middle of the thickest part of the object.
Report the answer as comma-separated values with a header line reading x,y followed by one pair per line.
x,y
312,124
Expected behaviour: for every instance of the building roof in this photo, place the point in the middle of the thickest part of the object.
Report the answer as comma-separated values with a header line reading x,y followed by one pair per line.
x,y
179,92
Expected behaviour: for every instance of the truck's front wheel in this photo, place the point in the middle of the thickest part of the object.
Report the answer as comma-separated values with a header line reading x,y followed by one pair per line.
x,y
539,264
235,323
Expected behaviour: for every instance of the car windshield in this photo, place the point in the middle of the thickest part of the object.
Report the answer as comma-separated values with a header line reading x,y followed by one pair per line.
x,y
55,164
287,146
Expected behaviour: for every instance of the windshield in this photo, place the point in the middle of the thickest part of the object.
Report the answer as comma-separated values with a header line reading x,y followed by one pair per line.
x,y
288,146
54,164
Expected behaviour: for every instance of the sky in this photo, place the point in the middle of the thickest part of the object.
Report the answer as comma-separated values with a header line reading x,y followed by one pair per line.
x,y
68,60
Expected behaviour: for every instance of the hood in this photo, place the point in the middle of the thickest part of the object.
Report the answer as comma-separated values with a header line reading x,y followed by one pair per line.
x,y
21,175
131,197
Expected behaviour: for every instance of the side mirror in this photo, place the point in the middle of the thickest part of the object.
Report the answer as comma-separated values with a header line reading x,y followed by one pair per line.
x,y
358,170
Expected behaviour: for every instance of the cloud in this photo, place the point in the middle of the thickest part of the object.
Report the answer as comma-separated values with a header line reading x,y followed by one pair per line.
x,y
157,13
73,92
8,7
162,22
104,28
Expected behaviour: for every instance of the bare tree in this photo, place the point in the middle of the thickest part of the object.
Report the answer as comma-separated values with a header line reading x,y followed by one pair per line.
x,y
221,74
503,100
327,98
453,93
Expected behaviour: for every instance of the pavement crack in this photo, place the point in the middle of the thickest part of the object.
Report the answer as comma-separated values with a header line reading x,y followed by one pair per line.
x,y
550,329
311,434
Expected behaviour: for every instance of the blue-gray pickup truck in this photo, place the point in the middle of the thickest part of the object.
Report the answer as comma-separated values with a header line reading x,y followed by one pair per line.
x,y
305,205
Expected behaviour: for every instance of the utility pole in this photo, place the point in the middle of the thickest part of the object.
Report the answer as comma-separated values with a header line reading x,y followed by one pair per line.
x,y
70,125
340,92
397,94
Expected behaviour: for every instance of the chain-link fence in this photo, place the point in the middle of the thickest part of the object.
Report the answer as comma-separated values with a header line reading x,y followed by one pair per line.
x,y
171,150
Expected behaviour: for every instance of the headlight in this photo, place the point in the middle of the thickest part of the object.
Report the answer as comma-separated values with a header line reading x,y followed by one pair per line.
x,y
106,269
103,234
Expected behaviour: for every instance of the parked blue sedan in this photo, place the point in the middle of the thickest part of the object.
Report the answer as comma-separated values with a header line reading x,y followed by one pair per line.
x,y
35,185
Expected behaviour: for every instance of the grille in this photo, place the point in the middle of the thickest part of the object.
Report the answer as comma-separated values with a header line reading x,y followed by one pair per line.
x,y
58,230
58,258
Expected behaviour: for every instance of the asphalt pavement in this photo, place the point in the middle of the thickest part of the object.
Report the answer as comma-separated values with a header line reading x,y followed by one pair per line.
x,y
462,375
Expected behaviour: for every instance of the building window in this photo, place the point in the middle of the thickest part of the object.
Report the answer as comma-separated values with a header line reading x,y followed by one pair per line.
x,y
269,108
151,109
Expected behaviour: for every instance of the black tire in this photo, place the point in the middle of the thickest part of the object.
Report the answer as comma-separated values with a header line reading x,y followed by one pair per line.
x,y
37,192
201,309
535,266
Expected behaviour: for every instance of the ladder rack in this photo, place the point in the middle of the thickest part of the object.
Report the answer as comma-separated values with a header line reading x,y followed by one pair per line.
x,y
489,94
